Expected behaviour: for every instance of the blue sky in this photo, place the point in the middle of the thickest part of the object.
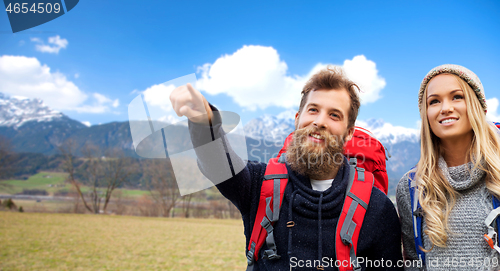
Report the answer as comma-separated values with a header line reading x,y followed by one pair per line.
x,y
253,55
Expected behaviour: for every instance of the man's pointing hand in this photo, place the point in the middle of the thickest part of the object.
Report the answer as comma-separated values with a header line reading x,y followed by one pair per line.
x,y
189,102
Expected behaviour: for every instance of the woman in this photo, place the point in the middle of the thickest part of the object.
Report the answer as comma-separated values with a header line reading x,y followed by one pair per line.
x,y
458,172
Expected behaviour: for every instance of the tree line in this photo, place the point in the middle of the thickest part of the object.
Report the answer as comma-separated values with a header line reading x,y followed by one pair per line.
x,y
101,172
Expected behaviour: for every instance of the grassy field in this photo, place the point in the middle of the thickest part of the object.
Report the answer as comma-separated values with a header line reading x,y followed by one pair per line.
x,y
53,182
37,241
50,181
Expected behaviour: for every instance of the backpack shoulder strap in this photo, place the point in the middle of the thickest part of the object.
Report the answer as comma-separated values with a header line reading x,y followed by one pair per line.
x,y
496,204
417,215
356,202
496,201
492,238
273,187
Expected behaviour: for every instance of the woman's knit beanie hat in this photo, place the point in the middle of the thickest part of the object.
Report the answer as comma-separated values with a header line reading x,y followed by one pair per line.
x,y
464,73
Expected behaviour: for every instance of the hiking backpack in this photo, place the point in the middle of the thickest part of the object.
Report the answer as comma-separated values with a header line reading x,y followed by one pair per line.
x,y
358,193
492,238
369,152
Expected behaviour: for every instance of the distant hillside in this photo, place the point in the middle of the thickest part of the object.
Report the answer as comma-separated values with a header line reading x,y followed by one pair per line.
x,y
32,127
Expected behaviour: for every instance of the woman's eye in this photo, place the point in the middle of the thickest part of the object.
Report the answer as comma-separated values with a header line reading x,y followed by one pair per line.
x,y
433,102
458,97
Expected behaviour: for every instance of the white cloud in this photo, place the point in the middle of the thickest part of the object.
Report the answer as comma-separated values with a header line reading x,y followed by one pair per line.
x,y
492,113
364,73
19,97
27,77
55,44
256,77
87,123
159,95
100,104
101,99
157,98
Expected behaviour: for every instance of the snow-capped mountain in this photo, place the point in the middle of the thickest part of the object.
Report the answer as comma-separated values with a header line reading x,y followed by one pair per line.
x,y
389,134
401,143
31,126
16,111
276,128
271,128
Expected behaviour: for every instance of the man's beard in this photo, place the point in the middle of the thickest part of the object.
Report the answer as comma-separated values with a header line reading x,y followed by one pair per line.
x,y
312,159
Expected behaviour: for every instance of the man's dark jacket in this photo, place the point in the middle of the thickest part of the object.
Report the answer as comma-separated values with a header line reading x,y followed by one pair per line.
x,y
315,213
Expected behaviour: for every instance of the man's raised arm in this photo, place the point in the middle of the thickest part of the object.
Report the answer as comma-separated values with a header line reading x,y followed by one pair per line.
x,y
216,159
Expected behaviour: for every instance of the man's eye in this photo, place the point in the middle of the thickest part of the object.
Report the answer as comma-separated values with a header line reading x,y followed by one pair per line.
x,y
313,110
335,115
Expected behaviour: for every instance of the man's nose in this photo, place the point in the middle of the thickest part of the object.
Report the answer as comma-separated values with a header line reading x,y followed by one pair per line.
x,y
320,121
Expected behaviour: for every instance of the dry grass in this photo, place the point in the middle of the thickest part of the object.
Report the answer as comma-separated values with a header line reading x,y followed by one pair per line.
x,y
38,241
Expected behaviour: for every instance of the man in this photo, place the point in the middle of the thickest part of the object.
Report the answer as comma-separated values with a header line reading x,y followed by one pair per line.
x,y
318,177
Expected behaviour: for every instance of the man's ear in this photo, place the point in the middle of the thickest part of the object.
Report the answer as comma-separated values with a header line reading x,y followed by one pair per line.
x,y
350,133
296,120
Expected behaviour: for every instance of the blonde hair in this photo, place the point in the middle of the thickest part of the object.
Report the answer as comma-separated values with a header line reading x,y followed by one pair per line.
x,y
437,197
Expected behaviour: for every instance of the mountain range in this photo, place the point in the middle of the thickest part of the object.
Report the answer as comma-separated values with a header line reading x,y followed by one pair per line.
x,y
402,144
33,127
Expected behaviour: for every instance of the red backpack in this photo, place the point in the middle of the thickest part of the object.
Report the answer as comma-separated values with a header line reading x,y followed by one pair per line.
x,y
353,211
369,152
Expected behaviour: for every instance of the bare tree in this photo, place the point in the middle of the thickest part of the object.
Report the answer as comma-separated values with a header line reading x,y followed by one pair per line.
x,y
67,149
117,169
161,185
102,174
6,160
187,204
94,173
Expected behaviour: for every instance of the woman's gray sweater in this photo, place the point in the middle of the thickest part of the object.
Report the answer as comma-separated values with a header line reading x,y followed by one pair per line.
x,y
466,248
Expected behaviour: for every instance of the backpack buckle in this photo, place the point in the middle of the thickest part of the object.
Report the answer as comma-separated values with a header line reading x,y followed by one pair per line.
x,y
250,254
250,258
271,255
419,212
266,224
353,161
282,158
489,241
